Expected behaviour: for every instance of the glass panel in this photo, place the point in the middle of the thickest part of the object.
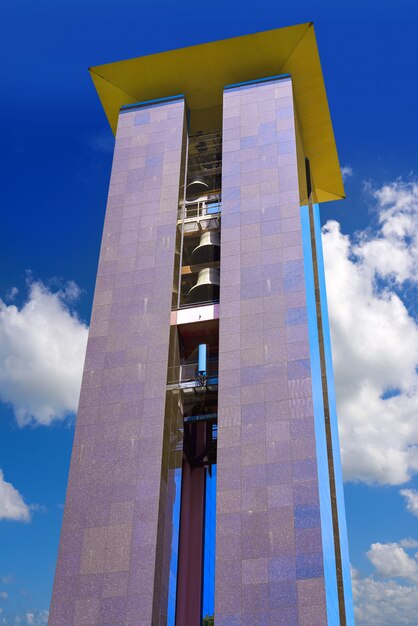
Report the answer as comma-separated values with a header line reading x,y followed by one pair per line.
x,y
172,583
208,603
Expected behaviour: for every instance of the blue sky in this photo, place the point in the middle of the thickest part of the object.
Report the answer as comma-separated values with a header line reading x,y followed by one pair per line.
x,y
56,160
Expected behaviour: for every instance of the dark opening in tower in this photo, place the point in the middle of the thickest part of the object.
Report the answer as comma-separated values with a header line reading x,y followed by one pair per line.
x,y
192,406
196,279
192,387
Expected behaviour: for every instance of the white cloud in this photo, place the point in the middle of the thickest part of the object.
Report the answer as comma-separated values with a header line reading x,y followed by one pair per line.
x,y
411,496
32,618
409,543
375,339
380,599
346,172
4,595
384,602
36,618
42,348
12,505
393,253
39,508
11,294
391,561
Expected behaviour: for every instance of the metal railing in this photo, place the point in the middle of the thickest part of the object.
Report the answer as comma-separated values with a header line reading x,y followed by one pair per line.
x,y
187,372
205,207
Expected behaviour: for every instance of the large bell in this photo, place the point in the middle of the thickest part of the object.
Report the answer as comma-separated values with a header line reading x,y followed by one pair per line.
x,y
207,286
197,185
208,249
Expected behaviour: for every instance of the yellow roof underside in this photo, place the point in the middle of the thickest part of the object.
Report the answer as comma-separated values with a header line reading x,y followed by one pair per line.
x,y
201,73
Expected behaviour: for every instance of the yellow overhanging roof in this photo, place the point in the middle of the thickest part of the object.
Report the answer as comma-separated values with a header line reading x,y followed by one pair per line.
x,y
201,73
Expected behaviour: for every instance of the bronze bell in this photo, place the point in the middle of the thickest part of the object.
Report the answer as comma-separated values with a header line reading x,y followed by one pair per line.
x,y
197,185
207,286
208,249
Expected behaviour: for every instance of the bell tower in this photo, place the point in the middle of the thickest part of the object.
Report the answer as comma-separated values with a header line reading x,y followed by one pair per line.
x,y
205,484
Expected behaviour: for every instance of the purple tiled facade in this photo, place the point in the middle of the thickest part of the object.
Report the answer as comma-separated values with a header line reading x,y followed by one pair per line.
x,y
109,564
125,542
269,563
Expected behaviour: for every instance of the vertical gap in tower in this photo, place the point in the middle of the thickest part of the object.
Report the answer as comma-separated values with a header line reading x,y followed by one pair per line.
x,y
192,384
328,434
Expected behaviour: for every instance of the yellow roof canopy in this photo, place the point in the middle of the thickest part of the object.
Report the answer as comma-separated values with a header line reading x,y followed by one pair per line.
x,y
201,72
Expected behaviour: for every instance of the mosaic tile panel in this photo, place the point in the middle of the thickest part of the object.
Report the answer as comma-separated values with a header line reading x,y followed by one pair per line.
x,y
269,549
108,558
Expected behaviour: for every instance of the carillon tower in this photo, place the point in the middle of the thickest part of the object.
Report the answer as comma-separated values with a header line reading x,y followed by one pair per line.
x,y
205,483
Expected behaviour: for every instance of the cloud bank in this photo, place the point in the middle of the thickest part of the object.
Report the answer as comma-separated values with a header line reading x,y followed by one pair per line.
x,y
389,596
375,338
42,349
